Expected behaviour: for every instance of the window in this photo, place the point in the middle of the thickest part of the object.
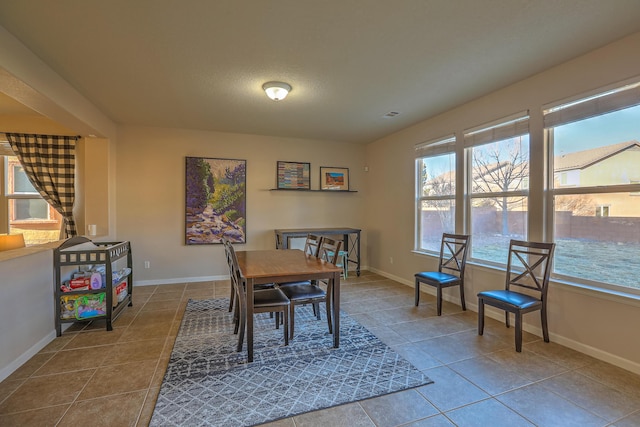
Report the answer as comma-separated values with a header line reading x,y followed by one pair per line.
x,y
596,219
435,192
498,174
26,211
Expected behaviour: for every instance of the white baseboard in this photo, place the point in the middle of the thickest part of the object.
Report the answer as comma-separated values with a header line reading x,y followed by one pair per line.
x,y
175,280
499,315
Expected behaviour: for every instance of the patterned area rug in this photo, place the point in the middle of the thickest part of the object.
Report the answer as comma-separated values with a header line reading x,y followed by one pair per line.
x,y
208,383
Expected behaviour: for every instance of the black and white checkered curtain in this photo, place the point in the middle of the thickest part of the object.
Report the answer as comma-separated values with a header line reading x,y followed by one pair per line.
x,y
49,163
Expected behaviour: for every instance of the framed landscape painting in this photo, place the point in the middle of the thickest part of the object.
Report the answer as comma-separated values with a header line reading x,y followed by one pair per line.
x,y
215,205
334,179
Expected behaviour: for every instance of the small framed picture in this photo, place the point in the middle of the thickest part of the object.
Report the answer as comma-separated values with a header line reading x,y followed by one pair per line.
x,y
294,176
334,179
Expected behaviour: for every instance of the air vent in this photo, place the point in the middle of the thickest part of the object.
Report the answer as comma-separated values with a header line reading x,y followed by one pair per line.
x,y
391,114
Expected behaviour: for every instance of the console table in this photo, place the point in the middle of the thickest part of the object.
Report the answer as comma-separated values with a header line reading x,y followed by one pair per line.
x,y
350,237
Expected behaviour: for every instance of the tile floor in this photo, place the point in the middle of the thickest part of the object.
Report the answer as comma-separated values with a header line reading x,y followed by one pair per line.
x,y
93,377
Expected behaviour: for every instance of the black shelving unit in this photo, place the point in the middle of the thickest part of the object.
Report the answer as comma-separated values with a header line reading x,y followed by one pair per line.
x,y
79,253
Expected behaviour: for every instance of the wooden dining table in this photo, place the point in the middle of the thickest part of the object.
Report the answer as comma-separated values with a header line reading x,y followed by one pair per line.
x,y
260,267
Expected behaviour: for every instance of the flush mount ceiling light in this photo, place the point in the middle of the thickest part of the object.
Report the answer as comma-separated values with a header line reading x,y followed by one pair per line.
x,y
276,90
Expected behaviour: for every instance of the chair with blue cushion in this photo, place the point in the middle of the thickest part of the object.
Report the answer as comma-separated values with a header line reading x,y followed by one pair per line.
x,y
528,268
453,259
313,293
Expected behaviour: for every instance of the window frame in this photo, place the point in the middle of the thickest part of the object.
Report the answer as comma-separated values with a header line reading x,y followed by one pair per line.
x,y
514,126
601,106
432,148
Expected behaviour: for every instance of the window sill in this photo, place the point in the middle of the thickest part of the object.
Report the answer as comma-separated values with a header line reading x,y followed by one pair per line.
x,y
29,250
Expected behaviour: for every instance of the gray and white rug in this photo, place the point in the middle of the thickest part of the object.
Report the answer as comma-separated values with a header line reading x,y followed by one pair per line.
x,y
208,383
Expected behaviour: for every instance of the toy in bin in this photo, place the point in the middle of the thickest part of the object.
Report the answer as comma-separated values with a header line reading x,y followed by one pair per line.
x,y
88,306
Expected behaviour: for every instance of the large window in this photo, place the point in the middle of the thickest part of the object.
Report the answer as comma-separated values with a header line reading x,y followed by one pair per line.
x,y
436,192
595,162
498,176
26,211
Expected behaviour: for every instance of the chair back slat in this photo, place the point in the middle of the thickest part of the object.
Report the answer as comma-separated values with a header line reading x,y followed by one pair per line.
x,y
453,253
330,250
529,265
312,245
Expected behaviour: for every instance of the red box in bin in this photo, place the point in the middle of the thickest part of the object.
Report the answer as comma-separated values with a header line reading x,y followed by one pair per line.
x,y
80,282
119,293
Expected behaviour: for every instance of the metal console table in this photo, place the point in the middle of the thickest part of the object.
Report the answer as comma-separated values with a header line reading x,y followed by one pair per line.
x,y
350,237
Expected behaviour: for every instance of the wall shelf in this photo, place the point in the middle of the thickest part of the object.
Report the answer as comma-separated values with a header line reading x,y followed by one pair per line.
x,y
316,190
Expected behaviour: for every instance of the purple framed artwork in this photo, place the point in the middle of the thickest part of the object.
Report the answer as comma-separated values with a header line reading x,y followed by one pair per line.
x,y
215,205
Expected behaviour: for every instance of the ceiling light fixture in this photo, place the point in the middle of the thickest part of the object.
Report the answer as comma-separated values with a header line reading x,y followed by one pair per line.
x,y
276,90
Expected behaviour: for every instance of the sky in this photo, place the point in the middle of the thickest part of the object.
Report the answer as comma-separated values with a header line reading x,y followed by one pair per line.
x,y
607,129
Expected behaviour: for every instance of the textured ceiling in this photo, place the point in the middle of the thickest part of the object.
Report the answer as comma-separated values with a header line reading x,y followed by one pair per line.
x,y
200,64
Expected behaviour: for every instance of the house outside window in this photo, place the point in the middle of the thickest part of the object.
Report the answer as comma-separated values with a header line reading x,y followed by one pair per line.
x,y
595,221
26,211
435,192
498,174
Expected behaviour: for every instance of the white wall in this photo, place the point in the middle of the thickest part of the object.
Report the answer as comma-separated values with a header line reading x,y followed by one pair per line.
x,y
26,308
150,187
597,324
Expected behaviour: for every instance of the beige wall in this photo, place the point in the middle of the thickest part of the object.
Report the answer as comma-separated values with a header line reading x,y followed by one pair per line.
x,y
596,323
151,195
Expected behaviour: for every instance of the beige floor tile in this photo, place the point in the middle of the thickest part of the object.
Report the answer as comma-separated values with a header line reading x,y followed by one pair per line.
x,y
148,407
415,353
606,402
350,415
31,366
50,390
94,338
398,408
43,417
155,305
209,285
561,355
173,287
74,360
487,413
489,375
135,351
8,386
165,296
146,332
450,390
614,377
57,344
558,411
118,410
434,421
528,364
115,379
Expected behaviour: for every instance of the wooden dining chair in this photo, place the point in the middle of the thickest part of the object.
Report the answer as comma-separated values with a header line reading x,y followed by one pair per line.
x,y
312,292
270,300
451,266
528,268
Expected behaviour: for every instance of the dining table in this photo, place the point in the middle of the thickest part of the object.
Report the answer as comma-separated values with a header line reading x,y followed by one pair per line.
x,y
259,267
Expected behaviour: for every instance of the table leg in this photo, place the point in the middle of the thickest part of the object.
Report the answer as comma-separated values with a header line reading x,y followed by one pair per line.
x,y
336,310
249,294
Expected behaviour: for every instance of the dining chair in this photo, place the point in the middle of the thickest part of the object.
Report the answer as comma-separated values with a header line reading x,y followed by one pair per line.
x,y
312,292
264,300
451,266
528,267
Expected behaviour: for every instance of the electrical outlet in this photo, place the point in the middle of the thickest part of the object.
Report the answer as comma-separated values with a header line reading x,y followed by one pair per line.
x,y
391,260
147,264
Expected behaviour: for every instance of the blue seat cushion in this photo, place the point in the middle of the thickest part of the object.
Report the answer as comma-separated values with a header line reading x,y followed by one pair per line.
x,y
515,299
436,278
